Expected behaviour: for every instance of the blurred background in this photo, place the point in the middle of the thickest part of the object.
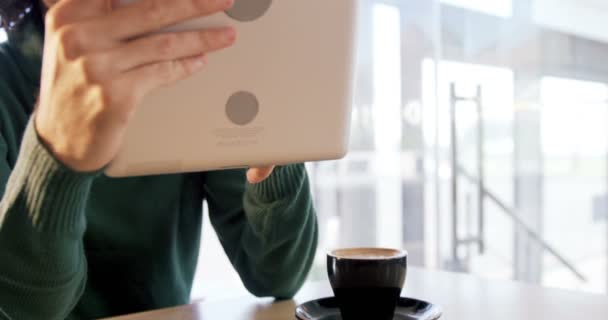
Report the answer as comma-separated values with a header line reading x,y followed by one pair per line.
x,y
479,144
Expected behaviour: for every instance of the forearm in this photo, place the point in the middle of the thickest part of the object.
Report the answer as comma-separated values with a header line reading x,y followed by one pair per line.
x,y
42,222
273,246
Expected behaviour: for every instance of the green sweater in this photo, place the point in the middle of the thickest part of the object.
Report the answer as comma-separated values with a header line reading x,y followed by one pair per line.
x,y
82,246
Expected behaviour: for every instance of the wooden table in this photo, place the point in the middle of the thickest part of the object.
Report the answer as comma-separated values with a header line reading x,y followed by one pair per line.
x,y
462,297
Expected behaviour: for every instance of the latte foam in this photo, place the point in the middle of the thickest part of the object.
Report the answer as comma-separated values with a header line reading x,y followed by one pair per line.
x,y
368,253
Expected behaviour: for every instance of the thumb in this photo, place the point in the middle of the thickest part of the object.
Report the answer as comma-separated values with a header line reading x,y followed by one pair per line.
x,y
257,175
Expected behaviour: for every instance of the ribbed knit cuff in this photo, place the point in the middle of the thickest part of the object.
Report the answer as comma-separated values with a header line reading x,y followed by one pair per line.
x,y
53,194
284,181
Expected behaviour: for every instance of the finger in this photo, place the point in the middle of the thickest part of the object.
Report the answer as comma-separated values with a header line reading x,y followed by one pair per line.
x,y
169,46
145,79
67,12
148,16
257,175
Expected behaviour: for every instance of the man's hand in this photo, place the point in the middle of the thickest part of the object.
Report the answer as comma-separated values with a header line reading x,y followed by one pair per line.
x,y
100,61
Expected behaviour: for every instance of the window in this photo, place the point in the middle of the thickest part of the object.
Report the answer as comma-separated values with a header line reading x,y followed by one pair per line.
x,y
542,93
574,117
2,35
585,18
574,145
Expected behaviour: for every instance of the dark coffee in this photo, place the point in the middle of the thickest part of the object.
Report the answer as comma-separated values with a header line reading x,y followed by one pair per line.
x,y
367,283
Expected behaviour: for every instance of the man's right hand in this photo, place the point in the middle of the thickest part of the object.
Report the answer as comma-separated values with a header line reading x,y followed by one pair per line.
x,y
100,61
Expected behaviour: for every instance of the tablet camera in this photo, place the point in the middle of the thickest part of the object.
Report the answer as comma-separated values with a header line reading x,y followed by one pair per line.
x,y
242,108
248,10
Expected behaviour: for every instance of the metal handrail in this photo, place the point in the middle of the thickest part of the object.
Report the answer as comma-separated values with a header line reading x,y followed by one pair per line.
x,y
519,222
457,170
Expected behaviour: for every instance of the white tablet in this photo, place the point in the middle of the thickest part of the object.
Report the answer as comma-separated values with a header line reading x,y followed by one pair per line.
x,y
282,94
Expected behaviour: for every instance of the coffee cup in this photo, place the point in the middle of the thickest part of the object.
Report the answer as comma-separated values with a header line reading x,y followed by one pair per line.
x,y
367,282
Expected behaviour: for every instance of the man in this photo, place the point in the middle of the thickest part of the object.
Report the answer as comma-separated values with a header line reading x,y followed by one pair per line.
x,y
76,244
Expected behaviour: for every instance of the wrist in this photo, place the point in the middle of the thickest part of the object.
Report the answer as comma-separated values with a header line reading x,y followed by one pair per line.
x,y
60,148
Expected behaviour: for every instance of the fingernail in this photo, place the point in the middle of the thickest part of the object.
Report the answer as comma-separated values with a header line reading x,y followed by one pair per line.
x,y
200,61
228,3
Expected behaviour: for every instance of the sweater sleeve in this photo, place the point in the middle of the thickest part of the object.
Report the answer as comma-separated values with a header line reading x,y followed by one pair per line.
x,y
42,223
268,230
